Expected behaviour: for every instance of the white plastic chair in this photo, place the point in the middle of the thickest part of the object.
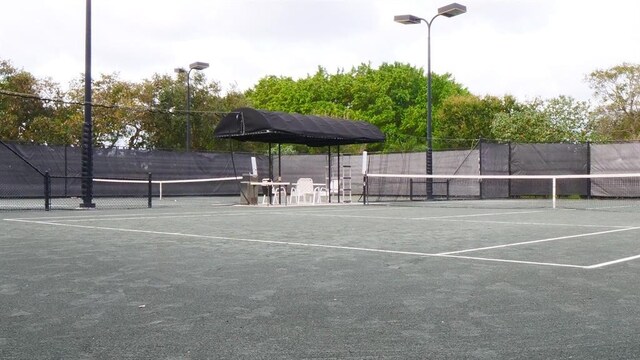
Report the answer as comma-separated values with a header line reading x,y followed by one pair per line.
x,y
277,192
279,195
335,187
321,192
302,191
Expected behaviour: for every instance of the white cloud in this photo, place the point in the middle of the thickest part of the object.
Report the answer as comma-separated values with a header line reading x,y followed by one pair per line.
x,y
522,47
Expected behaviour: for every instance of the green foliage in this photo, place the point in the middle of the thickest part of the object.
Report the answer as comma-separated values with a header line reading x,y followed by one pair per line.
x,y
152,113
463,119
21,118
392,97
617,116
524,126
571,119
561,119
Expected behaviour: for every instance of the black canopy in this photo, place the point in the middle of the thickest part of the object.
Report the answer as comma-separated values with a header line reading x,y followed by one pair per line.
x,y
247,124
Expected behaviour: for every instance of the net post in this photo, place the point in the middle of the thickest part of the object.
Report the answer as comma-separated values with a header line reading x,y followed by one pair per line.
x,y
448,180
47,191
364,189
365,163
149,193
410,189
553,191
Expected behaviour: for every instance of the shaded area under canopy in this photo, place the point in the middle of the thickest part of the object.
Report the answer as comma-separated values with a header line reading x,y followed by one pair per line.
x,y
247,124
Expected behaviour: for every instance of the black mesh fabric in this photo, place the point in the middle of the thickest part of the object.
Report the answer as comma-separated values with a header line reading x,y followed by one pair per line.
x,y
494,160
545,159
19,179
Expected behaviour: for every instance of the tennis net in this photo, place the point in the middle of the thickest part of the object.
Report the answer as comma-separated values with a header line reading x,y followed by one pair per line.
x,y
179,187
614,192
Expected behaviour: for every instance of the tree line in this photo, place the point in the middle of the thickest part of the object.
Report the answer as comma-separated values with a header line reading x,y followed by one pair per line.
x,y
151,114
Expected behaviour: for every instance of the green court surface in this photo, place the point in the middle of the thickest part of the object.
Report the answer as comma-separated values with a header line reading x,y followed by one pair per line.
x,y
204,279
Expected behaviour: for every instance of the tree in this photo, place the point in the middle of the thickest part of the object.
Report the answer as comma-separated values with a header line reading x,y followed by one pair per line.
x,y
392,97
164,124
571,119
23,116
526,126
561,119
116,111
463,119
617,116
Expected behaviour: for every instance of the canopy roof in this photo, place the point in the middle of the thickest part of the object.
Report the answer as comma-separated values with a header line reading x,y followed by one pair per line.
x,y
247,124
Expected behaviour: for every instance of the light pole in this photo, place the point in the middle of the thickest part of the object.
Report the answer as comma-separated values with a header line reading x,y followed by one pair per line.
x,y
450,10
87,129
194,66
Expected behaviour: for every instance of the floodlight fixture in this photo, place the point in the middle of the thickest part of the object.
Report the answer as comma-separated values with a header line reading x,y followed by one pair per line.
x,y
452,10
407,19
198,65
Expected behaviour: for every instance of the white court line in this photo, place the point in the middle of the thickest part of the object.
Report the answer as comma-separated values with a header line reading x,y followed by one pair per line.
x,y
539,241
253,212
313,212
540,224
444,254
513,261
140,216
290,243
456,218
596,266
123,218
413,218
101,216
222,237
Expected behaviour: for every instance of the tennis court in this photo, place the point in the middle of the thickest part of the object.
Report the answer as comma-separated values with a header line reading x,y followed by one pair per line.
x,y
202,278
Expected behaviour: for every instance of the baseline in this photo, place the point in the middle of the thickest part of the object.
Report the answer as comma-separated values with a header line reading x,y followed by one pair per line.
x,y
539,241
290,243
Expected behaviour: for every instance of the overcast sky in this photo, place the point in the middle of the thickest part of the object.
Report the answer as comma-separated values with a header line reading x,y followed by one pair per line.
x,y
526,48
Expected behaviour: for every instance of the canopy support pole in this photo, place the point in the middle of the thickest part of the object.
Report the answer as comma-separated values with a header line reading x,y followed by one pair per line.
x,y
339,182
279,162
329,172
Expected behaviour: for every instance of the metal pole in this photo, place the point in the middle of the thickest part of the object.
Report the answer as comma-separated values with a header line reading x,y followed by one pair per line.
x,y
450,10
329,172
87,133
47,191
66,173
279,162
149,191
188,111
429,165
340,184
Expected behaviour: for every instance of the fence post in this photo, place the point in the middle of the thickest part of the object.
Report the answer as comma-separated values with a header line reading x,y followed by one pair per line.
x,y
479,168
47,191
509,168
66,173
149,194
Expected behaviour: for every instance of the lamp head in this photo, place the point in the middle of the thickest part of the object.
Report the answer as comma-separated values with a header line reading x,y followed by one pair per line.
x,y
198,65
179,70
452,10
407,19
